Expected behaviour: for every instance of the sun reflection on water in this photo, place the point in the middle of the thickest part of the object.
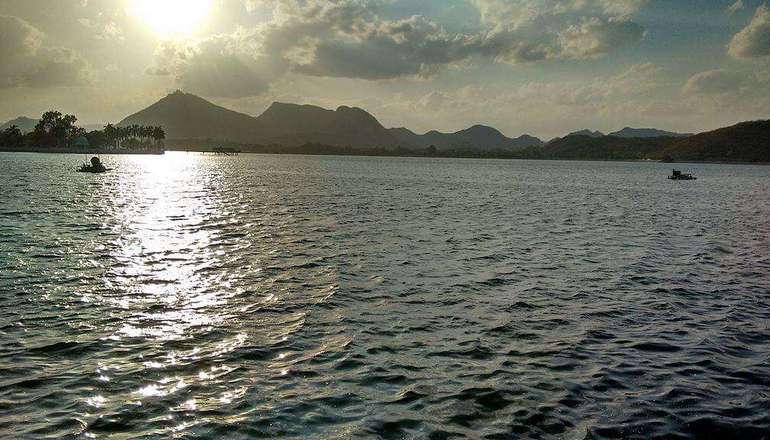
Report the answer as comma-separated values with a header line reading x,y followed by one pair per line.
x,y
160,248
208,292
165,290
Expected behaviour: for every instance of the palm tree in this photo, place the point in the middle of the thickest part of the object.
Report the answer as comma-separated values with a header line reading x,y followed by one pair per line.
x,y
111,133
158,134
136,130
121,134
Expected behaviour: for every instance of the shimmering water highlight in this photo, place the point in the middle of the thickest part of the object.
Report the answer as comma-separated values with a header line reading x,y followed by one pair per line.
x,y
329,297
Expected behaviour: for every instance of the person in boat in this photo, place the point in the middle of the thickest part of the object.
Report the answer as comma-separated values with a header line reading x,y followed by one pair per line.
x,y
97,164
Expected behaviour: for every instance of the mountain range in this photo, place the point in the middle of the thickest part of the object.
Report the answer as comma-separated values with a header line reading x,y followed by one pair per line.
x,y
187,117
586,132
631,133
743,142
191,121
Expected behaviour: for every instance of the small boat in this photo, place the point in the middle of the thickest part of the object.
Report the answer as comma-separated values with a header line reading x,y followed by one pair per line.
x,y
678,175
96,167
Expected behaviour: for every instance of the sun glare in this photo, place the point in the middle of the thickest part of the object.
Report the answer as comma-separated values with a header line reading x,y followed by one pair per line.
x,y
171,18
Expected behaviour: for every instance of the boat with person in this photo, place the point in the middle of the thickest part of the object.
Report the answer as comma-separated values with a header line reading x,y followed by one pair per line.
x,y
679,175
96,167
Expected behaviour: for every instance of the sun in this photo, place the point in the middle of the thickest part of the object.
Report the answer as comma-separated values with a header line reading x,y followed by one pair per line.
x,y
171,18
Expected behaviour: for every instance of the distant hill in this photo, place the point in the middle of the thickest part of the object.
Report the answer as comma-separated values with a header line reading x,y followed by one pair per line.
x,y
188,117
478,137
586,132
92,127
293,125
744,142
629,132
25,124
306,128
604,148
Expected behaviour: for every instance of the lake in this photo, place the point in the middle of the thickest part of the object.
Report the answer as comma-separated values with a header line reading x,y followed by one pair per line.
x,y
346,297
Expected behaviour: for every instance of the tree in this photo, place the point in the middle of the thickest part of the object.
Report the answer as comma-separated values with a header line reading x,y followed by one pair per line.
x,y
97,138
158,134
56,129
111,135
11,137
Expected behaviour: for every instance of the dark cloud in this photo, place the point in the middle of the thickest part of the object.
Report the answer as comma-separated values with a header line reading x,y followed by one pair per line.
x,y
28,59
347,38
391,49
216,67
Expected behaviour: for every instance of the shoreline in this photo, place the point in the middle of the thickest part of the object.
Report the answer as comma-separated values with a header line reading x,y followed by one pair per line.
x,y
157,152
69,150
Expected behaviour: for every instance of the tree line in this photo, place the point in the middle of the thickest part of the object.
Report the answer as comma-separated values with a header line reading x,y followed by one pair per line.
x,y
57,130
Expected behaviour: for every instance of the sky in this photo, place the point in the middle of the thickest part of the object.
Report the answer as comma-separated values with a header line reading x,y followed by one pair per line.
x,y
541,67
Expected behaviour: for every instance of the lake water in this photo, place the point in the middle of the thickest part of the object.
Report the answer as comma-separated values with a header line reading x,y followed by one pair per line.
x,y
346,297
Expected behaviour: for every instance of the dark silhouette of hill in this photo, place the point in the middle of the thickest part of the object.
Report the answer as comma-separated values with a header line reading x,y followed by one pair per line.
x,y
629,132
744,142
192,121
293,125
478,137
186,116
604,148
586,132
25,124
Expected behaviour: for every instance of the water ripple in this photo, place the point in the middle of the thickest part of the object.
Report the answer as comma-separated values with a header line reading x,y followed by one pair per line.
x,y
188,296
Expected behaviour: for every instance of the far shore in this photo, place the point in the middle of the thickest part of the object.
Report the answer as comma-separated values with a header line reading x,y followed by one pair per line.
x,y
73,150
385,153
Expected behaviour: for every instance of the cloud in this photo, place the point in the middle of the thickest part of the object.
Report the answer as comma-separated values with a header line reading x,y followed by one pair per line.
x,y
382,50
220,66
103,31
27,60
350,39
754,40
735,7
714,82
596,37
534,30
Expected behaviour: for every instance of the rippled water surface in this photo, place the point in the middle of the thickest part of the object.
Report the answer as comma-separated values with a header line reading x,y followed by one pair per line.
x,y
330,297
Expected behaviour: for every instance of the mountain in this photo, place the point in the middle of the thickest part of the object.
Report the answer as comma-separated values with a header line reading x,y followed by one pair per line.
x,y
629,132
586,132
292,125
478,137
744,142
187,117
25,124
603,148
92,127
